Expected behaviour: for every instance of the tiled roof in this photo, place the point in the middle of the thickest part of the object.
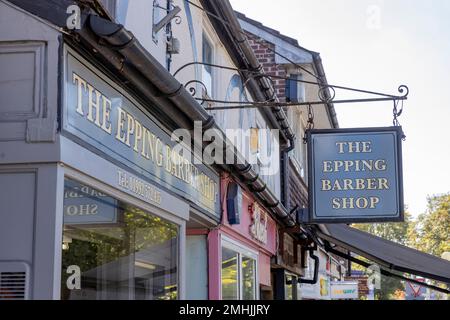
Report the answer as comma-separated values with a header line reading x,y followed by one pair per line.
x,y
274,32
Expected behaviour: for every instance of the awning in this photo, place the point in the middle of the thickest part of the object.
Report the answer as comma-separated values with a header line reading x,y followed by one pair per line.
x,y
388,255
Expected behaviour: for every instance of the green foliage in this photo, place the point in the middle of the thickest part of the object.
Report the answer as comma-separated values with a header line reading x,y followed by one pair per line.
x,y
95,246
393,231
431,232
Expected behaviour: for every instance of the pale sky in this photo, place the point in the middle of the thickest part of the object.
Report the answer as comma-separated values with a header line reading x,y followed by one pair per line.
x,y
378,45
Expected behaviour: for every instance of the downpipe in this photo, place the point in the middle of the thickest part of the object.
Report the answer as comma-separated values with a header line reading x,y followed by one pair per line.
x,y
316,266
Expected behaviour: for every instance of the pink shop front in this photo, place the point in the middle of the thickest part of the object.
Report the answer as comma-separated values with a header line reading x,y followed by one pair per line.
x,y
240,249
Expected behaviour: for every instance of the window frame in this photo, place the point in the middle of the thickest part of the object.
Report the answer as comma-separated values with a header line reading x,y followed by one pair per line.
x,y
299,88
299,155
241,250
206,35
82,178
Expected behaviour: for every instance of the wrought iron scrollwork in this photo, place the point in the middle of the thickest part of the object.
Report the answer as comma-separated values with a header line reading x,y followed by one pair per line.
x,y
398,106
193,91
177,19
404,90
397,111
326,93
310,123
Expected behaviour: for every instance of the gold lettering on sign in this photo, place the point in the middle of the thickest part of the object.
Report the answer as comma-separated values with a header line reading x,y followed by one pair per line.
x,y
358,183
97,108
80,85
138,187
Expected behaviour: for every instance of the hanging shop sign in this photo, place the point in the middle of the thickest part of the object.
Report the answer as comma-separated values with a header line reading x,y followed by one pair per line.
x,y
100,113
355,175
344,290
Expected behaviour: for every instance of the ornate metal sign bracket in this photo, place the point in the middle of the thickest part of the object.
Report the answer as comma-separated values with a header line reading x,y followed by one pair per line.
x,y
326,93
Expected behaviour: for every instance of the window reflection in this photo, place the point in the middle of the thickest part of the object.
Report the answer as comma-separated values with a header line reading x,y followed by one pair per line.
x,y
121,251
229,274
248,275
289,287
238,275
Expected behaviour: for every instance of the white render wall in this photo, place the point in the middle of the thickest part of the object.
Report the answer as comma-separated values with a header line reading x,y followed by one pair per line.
x,y
194,22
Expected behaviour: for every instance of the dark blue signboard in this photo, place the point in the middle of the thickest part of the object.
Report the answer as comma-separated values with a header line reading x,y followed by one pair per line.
x,y
355,175
234,203
99,113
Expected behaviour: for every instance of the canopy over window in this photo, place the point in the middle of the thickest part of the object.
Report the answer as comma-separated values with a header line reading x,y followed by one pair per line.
x,y
389,255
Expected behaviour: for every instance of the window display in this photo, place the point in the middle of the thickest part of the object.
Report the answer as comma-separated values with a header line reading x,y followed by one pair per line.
x,y
113,250
238,273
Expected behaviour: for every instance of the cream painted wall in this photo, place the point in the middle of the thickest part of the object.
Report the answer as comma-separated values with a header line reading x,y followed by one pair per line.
x,y
194,22
299,115
139,20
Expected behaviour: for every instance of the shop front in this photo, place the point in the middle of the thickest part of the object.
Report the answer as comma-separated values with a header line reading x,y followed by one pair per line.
x,y
128,195
287,267
115,249
240,250
320,290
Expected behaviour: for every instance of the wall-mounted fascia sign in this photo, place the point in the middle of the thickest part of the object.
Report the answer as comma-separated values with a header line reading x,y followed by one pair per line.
x,y
344,290
101,114
355,175
258,226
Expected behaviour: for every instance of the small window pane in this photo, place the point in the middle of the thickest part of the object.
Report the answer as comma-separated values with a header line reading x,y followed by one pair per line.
x,y
229,274
207,57
248,277
289,287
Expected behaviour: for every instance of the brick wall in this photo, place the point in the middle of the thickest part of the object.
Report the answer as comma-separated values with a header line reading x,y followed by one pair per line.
x,y
298,192
266,58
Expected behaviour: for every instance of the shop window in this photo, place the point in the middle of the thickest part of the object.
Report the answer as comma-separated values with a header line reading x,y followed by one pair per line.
x,y
248,278
290,288
239,273
113,250
230,276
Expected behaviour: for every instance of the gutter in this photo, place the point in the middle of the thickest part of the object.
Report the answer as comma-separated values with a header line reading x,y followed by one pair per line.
x,y
260,86
316,259
130,59
324,83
